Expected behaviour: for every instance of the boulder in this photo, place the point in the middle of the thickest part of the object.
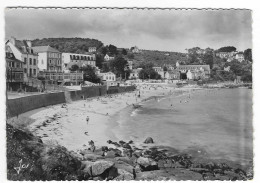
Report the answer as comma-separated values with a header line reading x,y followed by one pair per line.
x,y
86,167
112,173
127,146
148,140
124,166
147,164
126,160
104,148
99,167
124,175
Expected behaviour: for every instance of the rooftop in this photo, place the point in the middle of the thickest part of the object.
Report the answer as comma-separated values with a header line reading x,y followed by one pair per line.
x,y
40,49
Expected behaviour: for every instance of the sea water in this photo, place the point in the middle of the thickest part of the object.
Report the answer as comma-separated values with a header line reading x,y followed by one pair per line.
x,y
217,121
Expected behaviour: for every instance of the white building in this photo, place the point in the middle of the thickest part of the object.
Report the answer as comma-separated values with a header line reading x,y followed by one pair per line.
x,y
135,49
159,70
23,51
130,64
69,59
240,56
108,57
49,59
92,49
107,76
135,73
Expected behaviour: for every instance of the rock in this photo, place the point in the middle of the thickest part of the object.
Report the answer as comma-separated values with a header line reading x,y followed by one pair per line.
x,y
127,152
124,166
112,173
92,157
147,164
100,167
86,167
126,160
148,140
127,146
182,174
154,175
109,141
121,142
137,154
130,142
104,148
111,154
124,175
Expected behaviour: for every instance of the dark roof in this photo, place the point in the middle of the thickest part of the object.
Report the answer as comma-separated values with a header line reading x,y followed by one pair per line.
x,y
23,47
40,49
11,59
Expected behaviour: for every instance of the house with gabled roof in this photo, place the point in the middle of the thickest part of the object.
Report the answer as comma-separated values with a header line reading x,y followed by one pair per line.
x,y
22,50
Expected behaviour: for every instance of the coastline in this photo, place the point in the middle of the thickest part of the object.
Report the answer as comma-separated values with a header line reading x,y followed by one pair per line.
x,y
68,126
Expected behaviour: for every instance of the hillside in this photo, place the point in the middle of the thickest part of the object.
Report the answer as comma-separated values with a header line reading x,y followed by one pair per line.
x,y
72,45
159,58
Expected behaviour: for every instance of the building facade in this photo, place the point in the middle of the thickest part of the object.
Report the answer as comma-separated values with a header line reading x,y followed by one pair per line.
x,y
240,56
22,50
109,57
192,72
107,76
49,59
135,73
14,72
92,49
81,60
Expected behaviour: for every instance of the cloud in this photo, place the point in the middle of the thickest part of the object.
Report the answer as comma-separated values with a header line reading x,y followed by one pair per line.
x,y
130,27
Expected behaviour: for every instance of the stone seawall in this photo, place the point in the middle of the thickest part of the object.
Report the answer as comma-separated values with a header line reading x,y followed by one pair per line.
x,y
21,105
24,104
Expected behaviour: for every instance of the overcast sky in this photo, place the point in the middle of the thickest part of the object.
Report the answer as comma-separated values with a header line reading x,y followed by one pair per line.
x,y
166,30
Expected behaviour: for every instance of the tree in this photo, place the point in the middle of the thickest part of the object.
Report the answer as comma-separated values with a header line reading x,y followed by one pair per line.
x,y
99,60
130,55
124,52
248,54
112,49
227,49
89,74
149,73
118,66
165,68
74,68
208,57
104,50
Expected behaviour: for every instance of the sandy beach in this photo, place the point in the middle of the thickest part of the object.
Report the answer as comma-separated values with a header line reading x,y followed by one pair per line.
x,y
68,126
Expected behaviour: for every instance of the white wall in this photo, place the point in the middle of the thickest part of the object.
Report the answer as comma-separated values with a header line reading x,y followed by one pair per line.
x,y
16,52
42,61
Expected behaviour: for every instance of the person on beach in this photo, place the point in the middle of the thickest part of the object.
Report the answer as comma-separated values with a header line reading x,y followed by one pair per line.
x,y
87,119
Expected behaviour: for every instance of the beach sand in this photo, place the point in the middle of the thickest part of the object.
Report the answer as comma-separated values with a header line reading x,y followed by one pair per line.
x,y
68,126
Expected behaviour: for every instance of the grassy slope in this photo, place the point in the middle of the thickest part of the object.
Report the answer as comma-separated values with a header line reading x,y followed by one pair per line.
x,y
159,58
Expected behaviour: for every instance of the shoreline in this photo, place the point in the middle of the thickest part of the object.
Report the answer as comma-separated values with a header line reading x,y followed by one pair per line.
x,y
66,126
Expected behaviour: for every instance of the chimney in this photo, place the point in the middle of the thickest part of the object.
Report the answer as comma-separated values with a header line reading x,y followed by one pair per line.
x,y
29,43
13,40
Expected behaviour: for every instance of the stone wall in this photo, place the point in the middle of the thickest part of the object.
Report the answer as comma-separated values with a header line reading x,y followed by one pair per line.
x,y
21,105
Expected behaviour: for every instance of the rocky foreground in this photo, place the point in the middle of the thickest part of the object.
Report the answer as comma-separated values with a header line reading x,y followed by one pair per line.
x,y
28,158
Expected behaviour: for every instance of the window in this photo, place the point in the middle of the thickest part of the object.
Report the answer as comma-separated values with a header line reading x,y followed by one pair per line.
x,y
34,61
42,61
30,61
25,60
12,64
34,71
50,61
25,70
